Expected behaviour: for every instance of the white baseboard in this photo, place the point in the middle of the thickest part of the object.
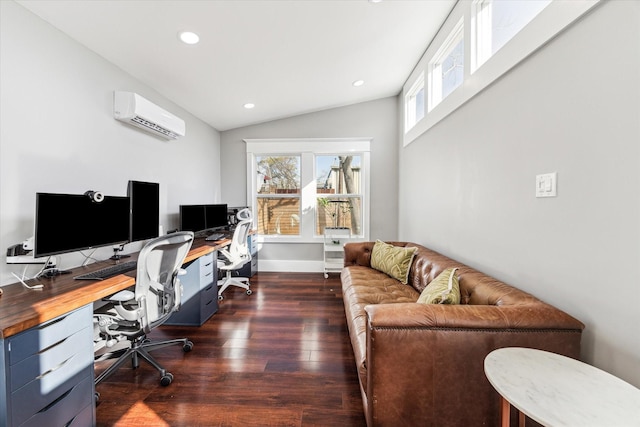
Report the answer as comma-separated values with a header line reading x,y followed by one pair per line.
x,y
291,265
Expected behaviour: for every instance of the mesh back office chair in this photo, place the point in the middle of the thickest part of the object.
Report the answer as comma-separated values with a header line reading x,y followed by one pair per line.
x,y
237,255
128,316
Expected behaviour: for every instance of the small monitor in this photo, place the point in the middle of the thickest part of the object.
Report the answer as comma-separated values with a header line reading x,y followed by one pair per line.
x,y
192,218
73,222
216,216
144,198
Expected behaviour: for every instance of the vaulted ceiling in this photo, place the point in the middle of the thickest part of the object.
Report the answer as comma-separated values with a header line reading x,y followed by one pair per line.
x,y
286,57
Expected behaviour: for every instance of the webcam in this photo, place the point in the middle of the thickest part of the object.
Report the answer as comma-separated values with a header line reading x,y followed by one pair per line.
x,y
95,196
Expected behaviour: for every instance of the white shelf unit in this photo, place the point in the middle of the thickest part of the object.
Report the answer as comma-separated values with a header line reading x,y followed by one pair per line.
x,y
334,240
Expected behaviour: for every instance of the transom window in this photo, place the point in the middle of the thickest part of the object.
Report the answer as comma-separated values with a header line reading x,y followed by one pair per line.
x,y
415,103
447,67
498,21
479,42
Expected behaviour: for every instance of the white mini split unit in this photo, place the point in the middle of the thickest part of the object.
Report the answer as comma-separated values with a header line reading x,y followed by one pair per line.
x,y
135,110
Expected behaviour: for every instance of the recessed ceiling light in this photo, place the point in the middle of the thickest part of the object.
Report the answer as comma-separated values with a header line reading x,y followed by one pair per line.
x,y
188,37
358,83
249,105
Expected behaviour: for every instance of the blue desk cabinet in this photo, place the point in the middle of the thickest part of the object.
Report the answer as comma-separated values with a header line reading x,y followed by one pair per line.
x,y
250,268
200,292
48,373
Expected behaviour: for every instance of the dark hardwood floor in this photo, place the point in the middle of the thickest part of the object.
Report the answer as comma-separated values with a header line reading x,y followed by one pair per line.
x,y
279,357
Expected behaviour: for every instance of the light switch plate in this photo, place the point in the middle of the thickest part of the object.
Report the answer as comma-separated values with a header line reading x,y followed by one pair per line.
x,y
546,185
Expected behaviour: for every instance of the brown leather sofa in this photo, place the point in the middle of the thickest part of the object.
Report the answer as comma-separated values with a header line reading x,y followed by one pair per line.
x,y
423,365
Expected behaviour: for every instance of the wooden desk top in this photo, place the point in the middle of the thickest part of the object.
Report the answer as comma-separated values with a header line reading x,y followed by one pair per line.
x,y
22,308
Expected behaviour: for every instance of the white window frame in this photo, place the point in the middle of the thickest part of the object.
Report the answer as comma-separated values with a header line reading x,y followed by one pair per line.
x,y
272,195
410,102
435,66
551,21
308,148
480,19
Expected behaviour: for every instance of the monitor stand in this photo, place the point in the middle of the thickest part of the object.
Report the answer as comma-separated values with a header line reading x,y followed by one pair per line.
x,y
116,256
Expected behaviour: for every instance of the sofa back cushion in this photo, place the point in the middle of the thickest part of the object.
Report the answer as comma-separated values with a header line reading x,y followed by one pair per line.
x,y
476,288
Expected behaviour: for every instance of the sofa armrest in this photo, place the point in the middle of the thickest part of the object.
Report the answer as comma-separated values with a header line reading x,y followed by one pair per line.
x,y
421,359
359,253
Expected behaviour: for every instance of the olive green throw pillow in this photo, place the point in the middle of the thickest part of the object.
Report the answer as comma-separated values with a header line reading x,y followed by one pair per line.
x,y
444,289
392,260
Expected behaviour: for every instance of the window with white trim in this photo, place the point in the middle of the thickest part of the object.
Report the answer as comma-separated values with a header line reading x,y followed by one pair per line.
x,y
479,42
446,69
414,101
497,22
338,191
278,194
297,187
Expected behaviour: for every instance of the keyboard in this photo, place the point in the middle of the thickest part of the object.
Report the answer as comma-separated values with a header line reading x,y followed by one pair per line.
x,y
214,237
110,271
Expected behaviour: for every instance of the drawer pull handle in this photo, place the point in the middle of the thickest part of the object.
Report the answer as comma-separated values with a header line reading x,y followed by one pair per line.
x,y
207,265
208,287
210,301
55,368
55,402
53,322
70,421
44,350
209,274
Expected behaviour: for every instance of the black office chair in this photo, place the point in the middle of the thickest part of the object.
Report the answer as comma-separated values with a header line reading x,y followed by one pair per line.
x,y
128,316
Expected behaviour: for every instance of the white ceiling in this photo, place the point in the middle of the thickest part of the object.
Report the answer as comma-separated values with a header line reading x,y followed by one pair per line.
x,y
287,57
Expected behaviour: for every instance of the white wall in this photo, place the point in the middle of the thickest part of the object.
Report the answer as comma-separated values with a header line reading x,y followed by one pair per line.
x,y
57,134
376,119
573,108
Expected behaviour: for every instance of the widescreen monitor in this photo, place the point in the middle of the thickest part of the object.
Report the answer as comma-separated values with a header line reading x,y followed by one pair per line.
x,y
200,218
73,222
144,198
192,218
216,216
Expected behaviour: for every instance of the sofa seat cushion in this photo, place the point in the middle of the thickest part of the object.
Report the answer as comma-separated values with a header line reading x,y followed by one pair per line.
x,y
362,286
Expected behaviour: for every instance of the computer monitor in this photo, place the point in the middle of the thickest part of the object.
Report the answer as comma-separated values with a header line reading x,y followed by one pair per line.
x,y
144,199
203,218
192,218
73,222
216,216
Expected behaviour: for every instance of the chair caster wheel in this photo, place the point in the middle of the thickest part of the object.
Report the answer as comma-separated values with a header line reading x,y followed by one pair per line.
x,y
96,397
187,346
220,297
249,291
326,276
166,379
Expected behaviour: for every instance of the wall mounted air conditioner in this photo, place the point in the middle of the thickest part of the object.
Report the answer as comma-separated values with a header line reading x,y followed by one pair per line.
x,y
135,110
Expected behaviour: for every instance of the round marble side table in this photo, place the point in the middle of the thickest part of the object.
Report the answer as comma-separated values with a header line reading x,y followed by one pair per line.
x,y
555,390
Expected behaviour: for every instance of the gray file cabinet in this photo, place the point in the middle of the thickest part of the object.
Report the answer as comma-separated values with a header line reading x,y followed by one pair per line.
x,y
48,374
200,292
250,268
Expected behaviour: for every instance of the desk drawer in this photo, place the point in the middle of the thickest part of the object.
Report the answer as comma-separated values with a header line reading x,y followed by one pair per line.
x,y
73,408
43,336
49,367
207,264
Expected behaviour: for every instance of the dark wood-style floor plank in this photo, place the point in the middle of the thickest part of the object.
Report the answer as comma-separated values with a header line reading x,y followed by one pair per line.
x,y
280,357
